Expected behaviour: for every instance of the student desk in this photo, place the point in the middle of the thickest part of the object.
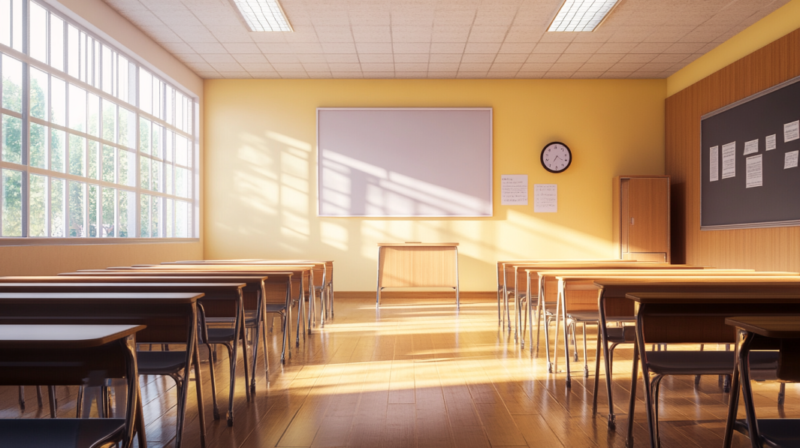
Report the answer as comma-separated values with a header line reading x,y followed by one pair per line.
x,y
527,274
612,302
784,333
507,280
405,265
576,292
325,280
65,355
222,299
169,317
697,317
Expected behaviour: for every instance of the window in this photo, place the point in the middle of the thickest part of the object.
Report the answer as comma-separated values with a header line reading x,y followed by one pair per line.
x,y
92,144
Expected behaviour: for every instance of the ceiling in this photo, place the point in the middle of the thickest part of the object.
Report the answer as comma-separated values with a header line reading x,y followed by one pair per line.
x,y
441,38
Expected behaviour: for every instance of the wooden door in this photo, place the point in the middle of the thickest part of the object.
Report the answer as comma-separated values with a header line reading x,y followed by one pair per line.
x,y
648,215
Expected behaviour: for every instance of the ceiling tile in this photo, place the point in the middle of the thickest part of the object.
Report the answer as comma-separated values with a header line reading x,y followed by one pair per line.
x,y
641,38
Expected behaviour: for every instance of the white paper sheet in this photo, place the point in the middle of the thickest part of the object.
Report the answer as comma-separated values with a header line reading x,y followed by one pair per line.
x,y
729,160
790,160
791,131
545,198
751,147
713,165
771,142
755,171
514,189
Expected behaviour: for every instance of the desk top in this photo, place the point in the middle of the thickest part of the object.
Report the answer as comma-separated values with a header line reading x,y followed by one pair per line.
x,y
206,275
247,262
94,297
609,266
598,274
222,268
697,281
778,327
207,288
713,297
417,244
63,336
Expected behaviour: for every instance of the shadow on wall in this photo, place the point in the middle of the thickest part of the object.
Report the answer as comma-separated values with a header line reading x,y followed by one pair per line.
x,y
272,197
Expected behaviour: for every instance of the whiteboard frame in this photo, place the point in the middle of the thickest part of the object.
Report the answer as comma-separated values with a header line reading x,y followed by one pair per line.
x,y
491,164
749,225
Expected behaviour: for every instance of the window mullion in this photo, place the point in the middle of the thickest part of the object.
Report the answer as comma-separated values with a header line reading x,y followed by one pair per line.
x,y
24,133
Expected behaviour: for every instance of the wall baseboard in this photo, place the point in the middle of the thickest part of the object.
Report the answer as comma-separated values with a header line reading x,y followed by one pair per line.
x,y
416,295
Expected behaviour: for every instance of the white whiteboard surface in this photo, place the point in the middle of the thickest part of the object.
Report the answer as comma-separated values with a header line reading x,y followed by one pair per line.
x,y
404,162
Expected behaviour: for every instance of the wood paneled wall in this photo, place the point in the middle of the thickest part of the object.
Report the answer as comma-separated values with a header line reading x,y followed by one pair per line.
x,y
762,249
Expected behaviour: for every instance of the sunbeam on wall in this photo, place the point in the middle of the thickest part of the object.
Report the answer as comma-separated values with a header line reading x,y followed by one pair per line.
x,y
261,169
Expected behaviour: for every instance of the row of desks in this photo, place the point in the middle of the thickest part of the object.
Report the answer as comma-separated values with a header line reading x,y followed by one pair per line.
x,y
611,290
165,300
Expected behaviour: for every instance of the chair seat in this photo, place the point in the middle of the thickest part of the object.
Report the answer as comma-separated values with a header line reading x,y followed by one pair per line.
x,y
160,363
621,335
774,432
217,335
584,316
59,433
708,363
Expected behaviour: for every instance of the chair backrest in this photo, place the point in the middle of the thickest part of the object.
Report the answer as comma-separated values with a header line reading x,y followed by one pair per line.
x,y
789,361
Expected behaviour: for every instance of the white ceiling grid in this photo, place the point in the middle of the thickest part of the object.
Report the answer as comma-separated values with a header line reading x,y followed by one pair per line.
x,y
441,38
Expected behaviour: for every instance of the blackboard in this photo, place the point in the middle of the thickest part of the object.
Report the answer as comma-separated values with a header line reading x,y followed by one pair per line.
x,y
728,203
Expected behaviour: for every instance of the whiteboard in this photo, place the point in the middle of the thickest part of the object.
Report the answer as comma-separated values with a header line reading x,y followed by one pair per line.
x,y
404,162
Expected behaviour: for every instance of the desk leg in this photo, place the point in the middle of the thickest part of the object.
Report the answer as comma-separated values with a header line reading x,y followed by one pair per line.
x,y
563,300
378,293
733,398
632,403
199,388
458,302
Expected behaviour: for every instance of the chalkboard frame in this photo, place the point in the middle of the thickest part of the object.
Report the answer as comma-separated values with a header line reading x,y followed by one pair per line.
x,y
744,225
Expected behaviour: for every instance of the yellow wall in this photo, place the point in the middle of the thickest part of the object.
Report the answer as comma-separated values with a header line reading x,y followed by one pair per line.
x,y
45,260
779,23
261,179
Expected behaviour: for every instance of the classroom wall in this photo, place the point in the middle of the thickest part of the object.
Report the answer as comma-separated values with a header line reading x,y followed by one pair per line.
x,y
762,249
260,139
44,260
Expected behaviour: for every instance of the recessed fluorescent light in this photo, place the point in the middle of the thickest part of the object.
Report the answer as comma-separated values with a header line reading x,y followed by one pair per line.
x,y
263,15
581,15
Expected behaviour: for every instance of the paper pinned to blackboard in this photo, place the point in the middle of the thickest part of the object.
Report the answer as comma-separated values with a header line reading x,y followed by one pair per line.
x,y
755,172
713,165
751,147
791,131
771,142
790,160
729,160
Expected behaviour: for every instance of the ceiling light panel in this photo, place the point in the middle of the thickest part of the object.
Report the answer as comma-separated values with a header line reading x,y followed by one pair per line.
x,y
263,15
581,15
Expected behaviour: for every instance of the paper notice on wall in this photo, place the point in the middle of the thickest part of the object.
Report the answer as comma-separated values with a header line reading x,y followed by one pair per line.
x,y
751,147
713,164
514,189
729,160
791,131
755,171
545,198
771,142
790,160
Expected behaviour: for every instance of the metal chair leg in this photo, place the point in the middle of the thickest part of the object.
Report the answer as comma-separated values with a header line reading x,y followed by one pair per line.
x,y
51,395
39,395
21,398
213,380
585,362
782,394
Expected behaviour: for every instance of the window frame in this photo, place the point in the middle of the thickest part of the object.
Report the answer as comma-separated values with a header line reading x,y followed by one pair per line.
x,y
168,94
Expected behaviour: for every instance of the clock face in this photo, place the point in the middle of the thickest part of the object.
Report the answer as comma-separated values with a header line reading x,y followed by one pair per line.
x,y
556,157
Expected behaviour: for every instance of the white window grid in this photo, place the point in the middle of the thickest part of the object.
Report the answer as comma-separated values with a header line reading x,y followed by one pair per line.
x,y
93,80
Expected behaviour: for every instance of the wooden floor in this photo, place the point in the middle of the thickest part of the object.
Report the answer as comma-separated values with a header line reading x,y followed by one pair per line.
x,y
417,374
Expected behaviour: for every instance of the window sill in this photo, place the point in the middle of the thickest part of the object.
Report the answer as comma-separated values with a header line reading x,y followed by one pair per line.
x,y
10,241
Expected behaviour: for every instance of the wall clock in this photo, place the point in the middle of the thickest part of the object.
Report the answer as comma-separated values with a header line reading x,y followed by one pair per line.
x,y
556,157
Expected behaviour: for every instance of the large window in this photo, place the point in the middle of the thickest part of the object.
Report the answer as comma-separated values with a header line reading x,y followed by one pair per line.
x,y
92,144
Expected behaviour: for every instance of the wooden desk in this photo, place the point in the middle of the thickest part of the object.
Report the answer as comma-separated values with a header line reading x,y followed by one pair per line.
x,y
784,333
66,355
406,265
219,300
520,274
697,317
169,317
